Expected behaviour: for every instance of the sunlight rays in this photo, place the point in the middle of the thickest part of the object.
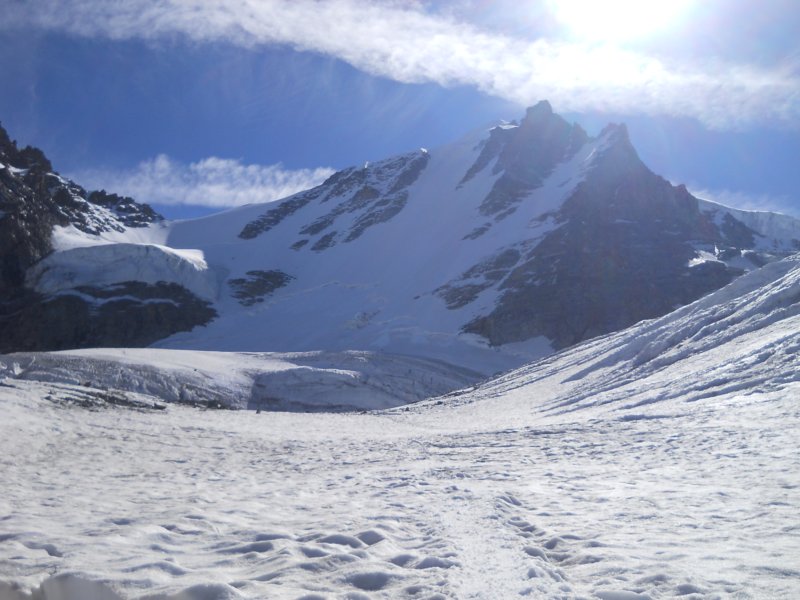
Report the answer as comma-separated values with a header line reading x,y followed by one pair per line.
x,y
617,21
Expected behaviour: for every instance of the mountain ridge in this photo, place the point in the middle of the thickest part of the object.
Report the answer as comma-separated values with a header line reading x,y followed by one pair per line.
x,y
488,252
35,204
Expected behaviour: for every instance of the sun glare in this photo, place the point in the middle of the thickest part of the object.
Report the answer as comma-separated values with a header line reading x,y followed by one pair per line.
x,y
617,20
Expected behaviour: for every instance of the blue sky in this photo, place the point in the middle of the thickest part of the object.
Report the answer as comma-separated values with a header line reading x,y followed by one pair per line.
x,y
197,105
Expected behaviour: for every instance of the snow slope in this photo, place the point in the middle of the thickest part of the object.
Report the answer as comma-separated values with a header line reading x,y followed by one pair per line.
x,y
779,232
658,462
743,337
109,264
311,381
515,241
411,284
379,293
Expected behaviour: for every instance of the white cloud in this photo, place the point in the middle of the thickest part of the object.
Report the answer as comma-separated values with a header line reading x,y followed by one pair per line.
x,y
749,201
402,42
213,182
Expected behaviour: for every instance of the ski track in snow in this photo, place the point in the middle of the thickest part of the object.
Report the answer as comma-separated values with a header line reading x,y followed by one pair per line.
x,y
190,504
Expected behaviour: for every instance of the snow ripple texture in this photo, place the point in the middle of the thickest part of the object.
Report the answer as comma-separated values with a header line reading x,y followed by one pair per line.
x,y
189,504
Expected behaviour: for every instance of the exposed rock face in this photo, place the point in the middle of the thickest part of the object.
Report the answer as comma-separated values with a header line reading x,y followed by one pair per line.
x,y
129,212
535,230
33,200
621,253
479,278
128,315
25,226
29,179
528,232
525,156
274,216
257,285
365,197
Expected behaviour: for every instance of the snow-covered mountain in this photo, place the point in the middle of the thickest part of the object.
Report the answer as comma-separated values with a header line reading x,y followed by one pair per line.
x,y
518,240
652,463
742,339
139,298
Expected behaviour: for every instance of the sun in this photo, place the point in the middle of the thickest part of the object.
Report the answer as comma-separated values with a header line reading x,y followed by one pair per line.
x,y
617,20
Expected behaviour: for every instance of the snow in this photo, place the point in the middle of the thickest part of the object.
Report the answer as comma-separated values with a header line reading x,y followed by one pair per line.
x,y
107,264
702,257
741,337
14,170
657,462
296,381
382,292
283,505
69,237
391,273
778,232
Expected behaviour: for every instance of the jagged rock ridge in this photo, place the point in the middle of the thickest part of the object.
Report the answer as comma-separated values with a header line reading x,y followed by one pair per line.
x,y
515,241
622,252
34,201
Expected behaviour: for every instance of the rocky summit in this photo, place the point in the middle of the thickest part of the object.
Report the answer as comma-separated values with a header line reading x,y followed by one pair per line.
x,y
520,239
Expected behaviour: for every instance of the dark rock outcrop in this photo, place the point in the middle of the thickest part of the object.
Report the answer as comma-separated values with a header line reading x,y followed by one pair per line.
x,y
525,155
622,252
33,200
367,196
539,231
129,212
130,314
257,285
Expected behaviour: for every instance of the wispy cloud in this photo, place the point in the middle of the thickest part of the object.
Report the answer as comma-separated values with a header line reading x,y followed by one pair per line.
x,y
403,42
213,182
750,201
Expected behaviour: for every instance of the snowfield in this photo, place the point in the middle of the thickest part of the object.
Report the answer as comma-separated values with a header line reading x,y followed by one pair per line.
x,y
108,264
300,381
658,462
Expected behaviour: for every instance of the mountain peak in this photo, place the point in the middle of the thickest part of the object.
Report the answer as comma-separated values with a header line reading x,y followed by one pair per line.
x,y
619,148
5,141
616,132
26,158
541,116
541,108
536,234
